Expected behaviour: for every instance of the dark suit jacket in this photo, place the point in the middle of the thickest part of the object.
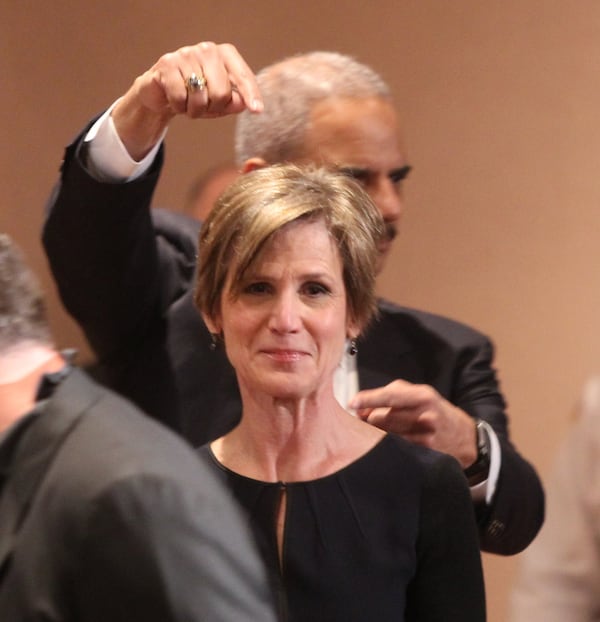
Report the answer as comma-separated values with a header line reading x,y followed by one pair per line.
x,y
129,289
107,516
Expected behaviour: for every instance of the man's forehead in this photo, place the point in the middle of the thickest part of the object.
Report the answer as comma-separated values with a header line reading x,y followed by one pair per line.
x,y
361,132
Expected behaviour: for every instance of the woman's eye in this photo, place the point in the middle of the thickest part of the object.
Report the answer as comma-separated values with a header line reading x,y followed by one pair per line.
x,y
256,288
315,289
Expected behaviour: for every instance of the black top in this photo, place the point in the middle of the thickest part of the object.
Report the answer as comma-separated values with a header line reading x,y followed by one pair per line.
x,y
392,536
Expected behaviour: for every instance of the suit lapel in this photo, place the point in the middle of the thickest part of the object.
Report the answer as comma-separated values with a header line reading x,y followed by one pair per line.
x,y
36,451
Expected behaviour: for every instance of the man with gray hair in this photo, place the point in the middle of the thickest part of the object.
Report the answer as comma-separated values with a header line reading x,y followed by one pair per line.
x,y
420,375
104,514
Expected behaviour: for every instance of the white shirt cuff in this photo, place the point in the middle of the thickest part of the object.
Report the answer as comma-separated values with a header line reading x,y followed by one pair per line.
x,y
484,491
107,157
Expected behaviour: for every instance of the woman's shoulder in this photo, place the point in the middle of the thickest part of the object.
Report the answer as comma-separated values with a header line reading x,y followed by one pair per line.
x,y
395,454
407,450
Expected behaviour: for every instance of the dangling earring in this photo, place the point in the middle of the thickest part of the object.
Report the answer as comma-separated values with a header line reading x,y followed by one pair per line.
x,y
213,341
352,349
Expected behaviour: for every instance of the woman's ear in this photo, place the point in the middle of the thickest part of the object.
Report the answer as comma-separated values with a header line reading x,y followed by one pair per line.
x,y
352,330
213,324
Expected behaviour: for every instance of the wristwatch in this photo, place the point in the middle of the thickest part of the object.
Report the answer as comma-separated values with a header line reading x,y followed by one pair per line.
x,y
479,470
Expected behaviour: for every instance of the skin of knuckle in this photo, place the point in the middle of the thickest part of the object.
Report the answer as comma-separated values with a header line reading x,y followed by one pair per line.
x,y
428,395
187,54
145,78
166,58
432,419
207,46
164,63
228,48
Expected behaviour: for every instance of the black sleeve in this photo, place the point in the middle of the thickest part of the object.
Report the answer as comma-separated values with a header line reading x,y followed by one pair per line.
x,y
448,586
115,276
458,362
516,513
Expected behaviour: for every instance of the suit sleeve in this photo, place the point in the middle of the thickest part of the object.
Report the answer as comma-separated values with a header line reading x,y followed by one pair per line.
x,y
159,550
458,362
114,276
449,584
516,513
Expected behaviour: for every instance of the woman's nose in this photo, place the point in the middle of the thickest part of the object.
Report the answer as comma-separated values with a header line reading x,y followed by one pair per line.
x,y
285,313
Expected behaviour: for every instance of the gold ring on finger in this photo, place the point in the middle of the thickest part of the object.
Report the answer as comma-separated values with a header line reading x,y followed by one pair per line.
x,y
195,83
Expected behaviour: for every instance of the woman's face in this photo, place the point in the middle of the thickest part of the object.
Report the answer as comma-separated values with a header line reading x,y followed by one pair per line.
x,y
285,332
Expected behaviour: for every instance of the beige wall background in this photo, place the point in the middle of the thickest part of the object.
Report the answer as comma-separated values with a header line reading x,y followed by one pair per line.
x,y
500,103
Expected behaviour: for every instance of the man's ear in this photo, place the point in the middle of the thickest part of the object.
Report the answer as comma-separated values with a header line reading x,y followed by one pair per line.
x,y
253,164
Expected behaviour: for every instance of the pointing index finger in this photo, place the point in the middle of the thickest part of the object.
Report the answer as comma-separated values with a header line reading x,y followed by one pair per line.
x,y
393,395
242,79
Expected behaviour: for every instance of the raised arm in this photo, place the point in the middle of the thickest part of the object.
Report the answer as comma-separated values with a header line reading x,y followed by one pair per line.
x,y
114,274
199,81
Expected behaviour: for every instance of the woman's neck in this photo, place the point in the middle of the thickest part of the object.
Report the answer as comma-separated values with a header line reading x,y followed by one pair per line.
x,y
294,440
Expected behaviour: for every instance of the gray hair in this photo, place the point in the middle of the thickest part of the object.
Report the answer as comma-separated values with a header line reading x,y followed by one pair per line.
x,y
22,308
290,88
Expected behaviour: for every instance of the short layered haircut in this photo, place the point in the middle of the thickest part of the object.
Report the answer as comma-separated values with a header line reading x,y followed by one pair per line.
x,y
261,203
